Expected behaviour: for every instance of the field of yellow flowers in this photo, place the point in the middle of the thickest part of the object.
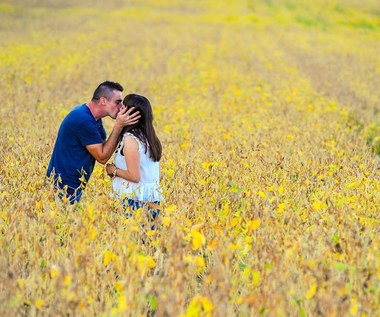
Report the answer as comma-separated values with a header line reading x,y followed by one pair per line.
x,y
269,116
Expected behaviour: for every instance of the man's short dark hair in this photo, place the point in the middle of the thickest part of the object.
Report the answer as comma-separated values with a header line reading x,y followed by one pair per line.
x,y
105,89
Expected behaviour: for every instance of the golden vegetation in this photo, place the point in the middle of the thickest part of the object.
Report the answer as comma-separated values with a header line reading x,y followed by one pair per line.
x,y
268,112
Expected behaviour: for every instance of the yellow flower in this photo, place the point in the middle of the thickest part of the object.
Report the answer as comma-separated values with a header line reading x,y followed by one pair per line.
x,y
281,207
119,286
108,257
199,262
54,271
256,278
311,292
166,221
198,239
253,224
39,303
262,194
92,233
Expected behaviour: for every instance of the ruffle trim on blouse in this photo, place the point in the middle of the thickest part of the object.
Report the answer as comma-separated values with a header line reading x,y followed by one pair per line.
x,y
143,192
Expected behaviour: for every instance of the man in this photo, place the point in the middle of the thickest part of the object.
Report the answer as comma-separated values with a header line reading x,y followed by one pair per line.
x,y
82,140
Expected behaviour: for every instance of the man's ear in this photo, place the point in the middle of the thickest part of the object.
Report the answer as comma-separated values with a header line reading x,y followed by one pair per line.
x,y
102,101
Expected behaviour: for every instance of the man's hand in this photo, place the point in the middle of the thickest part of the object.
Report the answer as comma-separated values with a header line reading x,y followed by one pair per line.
x,y
124,117
102,152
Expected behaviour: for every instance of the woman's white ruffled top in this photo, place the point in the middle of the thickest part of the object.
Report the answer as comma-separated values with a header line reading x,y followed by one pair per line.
x,y
148,188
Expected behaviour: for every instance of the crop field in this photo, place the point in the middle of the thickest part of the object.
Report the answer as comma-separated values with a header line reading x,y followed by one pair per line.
x,y
269,117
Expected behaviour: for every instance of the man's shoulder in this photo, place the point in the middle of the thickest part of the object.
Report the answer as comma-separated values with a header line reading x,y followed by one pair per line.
x,y
80,110
79,114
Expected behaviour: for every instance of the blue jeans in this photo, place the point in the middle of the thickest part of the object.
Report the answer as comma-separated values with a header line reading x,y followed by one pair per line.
x,y
131,204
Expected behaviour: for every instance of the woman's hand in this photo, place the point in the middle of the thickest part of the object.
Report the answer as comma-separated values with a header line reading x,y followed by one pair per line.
x,y
110,168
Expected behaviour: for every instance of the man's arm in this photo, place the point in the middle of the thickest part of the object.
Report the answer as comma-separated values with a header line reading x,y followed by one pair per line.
x,y
103,152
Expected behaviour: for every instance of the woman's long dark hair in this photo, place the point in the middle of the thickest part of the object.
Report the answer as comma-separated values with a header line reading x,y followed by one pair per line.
x,y
143,129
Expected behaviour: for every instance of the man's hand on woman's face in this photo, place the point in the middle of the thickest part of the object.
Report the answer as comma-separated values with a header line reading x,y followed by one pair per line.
x,y
124,117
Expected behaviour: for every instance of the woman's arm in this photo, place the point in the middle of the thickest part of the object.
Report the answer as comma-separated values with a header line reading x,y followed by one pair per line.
x,y
132,158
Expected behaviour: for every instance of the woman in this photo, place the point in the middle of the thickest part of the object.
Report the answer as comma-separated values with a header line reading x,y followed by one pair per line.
x,y
136,172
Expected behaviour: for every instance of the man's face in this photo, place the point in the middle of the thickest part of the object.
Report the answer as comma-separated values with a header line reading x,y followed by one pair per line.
x,y
112,106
